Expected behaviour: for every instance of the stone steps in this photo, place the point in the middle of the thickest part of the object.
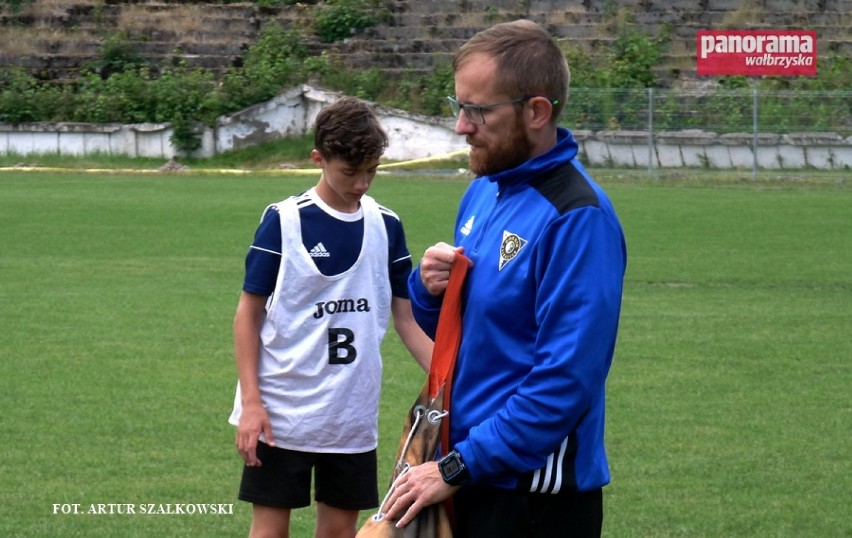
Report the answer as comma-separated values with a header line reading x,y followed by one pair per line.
x,y
67,67
421,34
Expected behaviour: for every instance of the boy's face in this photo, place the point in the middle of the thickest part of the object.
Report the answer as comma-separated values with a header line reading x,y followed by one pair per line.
x,y
342,183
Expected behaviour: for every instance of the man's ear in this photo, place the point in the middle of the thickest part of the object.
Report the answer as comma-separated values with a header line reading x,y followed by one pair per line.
x,y
542,112
316,156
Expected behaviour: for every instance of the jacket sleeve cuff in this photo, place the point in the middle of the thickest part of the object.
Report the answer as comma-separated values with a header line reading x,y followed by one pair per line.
x,y
467,458
425,306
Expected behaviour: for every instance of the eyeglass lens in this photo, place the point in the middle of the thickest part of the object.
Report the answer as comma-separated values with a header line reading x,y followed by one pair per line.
x,y
474,113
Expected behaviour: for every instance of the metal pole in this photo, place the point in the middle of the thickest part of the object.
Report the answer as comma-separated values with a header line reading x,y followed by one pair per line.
x,y
650,132
754,136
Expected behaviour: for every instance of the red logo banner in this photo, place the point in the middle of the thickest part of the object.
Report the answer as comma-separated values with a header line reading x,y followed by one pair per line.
x,y
756,52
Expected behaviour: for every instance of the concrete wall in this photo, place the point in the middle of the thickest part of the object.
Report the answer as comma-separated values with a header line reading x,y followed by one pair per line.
x,y
413,137
695,148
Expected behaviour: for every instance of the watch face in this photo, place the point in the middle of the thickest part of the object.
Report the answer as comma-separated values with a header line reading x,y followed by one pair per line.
x,y
451,467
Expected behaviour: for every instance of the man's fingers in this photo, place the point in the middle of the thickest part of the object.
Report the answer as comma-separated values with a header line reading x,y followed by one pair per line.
x,y
441,253
409,515
400,501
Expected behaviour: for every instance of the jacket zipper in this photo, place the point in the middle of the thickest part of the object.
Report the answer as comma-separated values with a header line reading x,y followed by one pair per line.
x,y
488,220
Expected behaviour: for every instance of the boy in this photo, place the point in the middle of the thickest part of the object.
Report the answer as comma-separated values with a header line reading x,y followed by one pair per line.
x,y
326,270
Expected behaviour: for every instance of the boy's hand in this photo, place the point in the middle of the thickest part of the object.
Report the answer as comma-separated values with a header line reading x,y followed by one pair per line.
x,y
254,420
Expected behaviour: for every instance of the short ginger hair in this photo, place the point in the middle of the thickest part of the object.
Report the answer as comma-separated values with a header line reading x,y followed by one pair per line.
x,y
529,62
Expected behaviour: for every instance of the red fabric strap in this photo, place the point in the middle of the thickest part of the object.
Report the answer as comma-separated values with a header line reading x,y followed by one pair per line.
x,y
447,340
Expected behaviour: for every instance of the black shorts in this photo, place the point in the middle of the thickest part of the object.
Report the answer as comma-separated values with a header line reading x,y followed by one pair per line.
x,y
484,512
345,481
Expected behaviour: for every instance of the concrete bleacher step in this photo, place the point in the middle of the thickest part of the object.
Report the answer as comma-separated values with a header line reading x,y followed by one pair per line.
x,y
409,46
419,36
399,60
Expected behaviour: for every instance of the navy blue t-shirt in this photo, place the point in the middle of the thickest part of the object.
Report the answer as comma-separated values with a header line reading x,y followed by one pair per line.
x,y
333,242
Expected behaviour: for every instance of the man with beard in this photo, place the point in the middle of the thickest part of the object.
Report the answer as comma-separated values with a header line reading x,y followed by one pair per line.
x,y
541,306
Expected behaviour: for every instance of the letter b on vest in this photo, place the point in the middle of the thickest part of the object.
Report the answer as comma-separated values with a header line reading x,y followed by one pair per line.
x,y
340,349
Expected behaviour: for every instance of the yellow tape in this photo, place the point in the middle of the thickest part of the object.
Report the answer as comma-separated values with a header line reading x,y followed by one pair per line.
x,y
284,171
451,155
196,171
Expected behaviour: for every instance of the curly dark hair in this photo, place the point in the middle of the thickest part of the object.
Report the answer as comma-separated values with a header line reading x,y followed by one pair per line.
x,y
349,130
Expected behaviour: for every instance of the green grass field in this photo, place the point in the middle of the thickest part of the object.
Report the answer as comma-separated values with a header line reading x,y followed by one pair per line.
x,y
729,400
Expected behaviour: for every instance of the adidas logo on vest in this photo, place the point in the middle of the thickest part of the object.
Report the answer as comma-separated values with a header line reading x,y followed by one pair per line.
x,y
319,251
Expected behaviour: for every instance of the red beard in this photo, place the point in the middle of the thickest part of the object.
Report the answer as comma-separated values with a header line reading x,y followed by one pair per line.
x,y
510,151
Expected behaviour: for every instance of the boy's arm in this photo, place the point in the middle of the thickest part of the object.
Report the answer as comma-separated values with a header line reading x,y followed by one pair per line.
x,y
418,344
254,419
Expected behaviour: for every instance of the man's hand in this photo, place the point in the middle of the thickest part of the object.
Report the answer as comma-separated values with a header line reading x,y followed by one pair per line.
x,y
435,267
420,487
253,421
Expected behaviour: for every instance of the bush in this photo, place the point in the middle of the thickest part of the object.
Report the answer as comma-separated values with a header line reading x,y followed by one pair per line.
x,y
632,58
122,98
338,19
117,55
19,96
276,60
16,5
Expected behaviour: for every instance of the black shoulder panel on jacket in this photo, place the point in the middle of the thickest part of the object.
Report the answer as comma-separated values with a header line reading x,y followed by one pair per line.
x,y
566,189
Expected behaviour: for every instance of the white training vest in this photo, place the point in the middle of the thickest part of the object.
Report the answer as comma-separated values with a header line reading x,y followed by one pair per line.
x,y
320,367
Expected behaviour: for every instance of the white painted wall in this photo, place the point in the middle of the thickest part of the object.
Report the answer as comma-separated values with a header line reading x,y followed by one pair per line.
x,y
413,136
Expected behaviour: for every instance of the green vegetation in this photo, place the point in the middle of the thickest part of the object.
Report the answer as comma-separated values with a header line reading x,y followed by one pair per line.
x,y
615,95
122,87
15,5
336,20
728,398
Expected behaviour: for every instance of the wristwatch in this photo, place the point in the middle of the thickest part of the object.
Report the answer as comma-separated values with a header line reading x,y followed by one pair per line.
x,y
453,470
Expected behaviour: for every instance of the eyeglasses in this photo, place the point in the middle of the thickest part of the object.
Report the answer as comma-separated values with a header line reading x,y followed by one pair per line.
x,y
476,113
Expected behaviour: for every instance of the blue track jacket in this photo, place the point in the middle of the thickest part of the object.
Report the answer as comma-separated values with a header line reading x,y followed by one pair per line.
x,y
541,308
